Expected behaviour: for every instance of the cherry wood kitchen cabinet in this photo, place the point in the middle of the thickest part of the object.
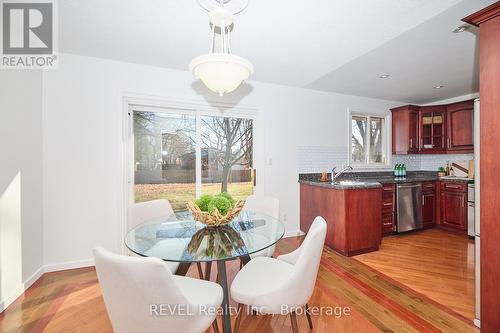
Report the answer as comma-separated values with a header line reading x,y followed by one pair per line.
x,y
488,20
388,209
405,129
432,129
428,204
453,207
460,131
352,215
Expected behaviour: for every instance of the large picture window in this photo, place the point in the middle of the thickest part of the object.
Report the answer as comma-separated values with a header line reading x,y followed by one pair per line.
x,y
178,156
368,141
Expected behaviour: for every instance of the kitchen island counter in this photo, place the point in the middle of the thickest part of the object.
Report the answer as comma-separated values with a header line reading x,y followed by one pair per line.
x,y
352,215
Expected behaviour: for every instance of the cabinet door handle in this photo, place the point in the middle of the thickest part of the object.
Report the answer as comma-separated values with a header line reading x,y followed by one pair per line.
x,y
423,200
452,186
449,143
411,143
388,204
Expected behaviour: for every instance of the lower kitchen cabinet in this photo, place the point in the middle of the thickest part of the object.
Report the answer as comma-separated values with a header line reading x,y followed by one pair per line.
x,y
387,223
388,209
454,206
428,204
444,203
352,216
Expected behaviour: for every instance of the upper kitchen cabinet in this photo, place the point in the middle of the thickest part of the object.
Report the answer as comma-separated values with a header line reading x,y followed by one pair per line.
x,y
405,129
460,126
432,122
433,129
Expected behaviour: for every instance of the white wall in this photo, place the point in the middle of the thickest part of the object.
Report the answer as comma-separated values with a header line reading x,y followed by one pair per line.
x,y
83,143
20,181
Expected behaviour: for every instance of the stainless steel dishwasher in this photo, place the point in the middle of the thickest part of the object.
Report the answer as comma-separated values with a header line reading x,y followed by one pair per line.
x,y
409,206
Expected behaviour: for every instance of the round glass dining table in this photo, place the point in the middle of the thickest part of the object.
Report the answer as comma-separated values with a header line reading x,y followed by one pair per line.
x,y
179,238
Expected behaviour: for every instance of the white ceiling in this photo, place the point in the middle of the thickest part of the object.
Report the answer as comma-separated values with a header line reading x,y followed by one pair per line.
x,y
340,46
426,56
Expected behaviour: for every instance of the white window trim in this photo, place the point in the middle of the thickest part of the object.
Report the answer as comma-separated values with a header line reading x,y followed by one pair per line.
x,y
386,141
136,102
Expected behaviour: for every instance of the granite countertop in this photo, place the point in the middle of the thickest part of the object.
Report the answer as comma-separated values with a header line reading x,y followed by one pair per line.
x,y
343,184
407,179
457,179
359,180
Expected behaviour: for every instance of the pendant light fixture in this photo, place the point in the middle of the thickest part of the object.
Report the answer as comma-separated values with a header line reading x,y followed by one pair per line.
x,y
219,69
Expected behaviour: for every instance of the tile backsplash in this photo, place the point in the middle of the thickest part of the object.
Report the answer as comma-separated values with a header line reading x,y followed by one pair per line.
x,y
429,162
323,158
320,158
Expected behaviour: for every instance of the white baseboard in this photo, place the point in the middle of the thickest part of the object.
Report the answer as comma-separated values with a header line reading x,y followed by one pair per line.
x,y
19,291
4,303
68,265
293,233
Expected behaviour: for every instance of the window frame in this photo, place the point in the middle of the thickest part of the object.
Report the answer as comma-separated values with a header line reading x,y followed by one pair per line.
x,y
140,102
386,139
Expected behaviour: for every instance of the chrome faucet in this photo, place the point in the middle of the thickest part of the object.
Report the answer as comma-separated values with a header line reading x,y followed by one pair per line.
x,y
334,179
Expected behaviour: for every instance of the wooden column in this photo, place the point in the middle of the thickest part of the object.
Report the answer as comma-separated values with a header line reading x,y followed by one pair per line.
x,y
488,21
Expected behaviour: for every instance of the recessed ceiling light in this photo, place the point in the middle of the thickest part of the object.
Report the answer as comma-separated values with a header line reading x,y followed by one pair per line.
x,y
462,28
438,87
384,76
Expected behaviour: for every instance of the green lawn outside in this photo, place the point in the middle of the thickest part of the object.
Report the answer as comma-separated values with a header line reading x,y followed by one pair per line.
x,y
180,194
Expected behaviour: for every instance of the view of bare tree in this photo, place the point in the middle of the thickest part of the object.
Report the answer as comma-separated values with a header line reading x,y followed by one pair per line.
x,y
161,141
230,139
358,139
360,129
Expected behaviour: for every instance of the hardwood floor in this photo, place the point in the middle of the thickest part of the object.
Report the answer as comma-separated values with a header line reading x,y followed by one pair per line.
x,y
70,301
436,263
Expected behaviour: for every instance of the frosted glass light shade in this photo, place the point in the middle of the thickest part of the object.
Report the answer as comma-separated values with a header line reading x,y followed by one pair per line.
x,y
220,72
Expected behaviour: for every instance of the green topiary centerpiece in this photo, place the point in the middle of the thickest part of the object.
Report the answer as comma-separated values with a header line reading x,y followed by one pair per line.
x,y
215,210
204,201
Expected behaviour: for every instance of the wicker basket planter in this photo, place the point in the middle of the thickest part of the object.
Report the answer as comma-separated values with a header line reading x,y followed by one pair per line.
x,y
215,218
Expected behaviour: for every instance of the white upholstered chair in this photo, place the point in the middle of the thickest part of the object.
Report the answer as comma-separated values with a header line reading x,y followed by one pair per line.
x,y
264,205
280,286
134,290
148,210
153,209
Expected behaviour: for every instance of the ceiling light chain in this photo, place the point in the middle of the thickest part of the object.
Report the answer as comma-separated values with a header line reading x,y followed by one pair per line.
x,y
223,36
229,40
212,43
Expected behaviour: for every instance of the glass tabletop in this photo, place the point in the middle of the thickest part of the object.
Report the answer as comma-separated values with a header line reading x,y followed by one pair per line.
x,y
181,239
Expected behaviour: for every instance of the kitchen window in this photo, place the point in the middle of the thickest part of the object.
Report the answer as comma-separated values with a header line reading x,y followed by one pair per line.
x,y
368,146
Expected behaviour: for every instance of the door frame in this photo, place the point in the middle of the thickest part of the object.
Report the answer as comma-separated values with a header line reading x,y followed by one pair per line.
x,y
181,106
